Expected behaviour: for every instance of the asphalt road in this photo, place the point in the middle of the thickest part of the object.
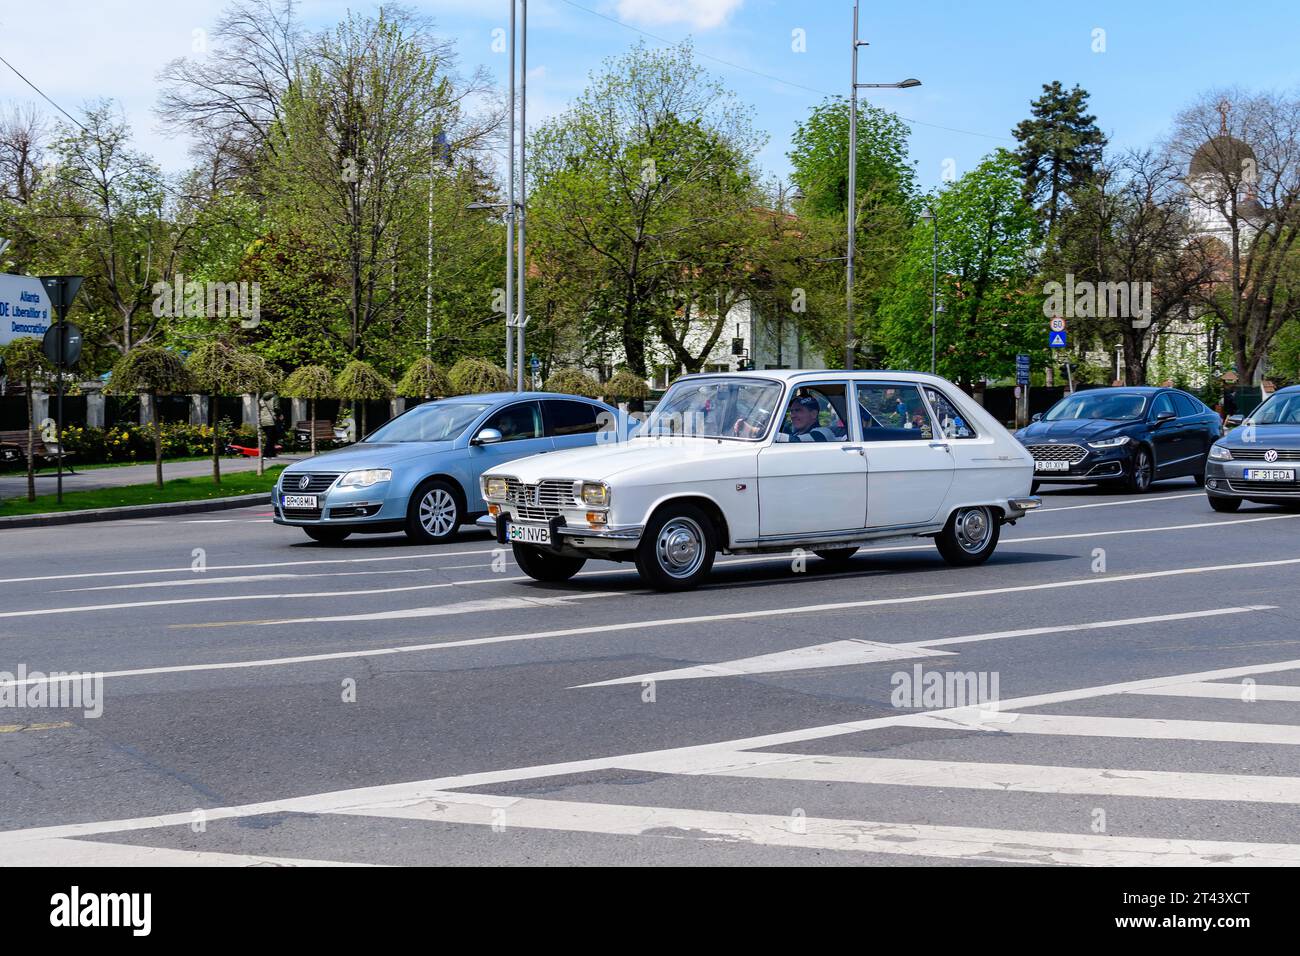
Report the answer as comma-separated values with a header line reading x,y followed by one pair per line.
x,y
269,699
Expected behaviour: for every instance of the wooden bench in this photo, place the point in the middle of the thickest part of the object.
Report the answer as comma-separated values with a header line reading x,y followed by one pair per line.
x,y
323,428
13,447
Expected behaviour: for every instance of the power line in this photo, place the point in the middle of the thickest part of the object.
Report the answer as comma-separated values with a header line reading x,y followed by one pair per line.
x,y
41,93
776,79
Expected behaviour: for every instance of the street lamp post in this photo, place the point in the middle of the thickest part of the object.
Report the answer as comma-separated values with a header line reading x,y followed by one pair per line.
x,y
521,314
928,215
853,180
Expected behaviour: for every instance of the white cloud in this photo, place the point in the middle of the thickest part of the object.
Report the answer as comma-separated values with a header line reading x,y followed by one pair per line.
x,y
698,14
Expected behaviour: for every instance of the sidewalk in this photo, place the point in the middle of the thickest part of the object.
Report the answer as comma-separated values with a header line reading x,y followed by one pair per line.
x,y
14,484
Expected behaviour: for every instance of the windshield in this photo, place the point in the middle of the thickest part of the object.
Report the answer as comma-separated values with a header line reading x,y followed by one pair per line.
x,y
1279,410
432,421
735,408
1111,406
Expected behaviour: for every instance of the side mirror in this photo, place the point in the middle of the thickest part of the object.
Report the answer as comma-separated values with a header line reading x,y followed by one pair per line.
x,y
1163,417
1036,417
488,436
1235,420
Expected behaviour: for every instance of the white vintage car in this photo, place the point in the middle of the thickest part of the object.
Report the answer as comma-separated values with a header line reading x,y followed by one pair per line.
x,y
744,463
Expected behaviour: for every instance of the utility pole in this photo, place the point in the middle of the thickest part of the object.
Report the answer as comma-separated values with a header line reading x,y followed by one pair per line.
x,y
510,209
521,314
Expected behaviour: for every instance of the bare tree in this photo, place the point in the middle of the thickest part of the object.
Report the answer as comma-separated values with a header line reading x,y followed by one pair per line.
x,y
22,135
1242,156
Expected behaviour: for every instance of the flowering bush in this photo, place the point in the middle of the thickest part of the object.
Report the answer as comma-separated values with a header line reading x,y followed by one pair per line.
x,y
134,443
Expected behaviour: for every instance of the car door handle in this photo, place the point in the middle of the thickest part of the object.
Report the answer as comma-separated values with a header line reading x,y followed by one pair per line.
x,y
939,444
856,449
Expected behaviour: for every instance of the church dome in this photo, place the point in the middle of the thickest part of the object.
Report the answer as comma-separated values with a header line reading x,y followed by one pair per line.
x,y
1222,154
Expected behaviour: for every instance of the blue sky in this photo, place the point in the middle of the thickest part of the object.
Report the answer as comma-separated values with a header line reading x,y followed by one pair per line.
x,y
981,63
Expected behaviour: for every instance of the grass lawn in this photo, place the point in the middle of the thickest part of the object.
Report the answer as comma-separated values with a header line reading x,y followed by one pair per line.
x,y
175,489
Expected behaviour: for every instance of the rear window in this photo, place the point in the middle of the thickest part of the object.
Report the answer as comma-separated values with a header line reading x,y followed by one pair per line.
x,y
569,418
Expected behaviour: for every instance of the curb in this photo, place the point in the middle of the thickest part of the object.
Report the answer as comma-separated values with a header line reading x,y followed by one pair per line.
x,y
134,511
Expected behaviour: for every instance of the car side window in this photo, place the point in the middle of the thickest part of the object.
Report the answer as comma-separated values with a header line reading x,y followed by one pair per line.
x,y
569,418
1161,404
816,413
1186,405
893,413
517,422
953,423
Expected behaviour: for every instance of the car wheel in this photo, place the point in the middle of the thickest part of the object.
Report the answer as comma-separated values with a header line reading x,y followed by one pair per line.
x,y
434,513
543,565
677,548
836,555
1224,504
1141,472
327,535
1199,479
969,537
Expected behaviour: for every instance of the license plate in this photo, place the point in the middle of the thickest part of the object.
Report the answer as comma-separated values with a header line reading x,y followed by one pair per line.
x,y
1270,474
299,501
526,534
1040,465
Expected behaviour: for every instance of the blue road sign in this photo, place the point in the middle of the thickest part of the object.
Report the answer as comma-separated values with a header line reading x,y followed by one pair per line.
x,y
535,363
1056,340
1022,369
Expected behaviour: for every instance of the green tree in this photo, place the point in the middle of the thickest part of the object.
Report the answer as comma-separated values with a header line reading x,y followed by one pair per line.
x,y
218,367
26,362
986,280
153,371
311,382
886,197
471,376
572,381
631,186
1060,147
359,382
423,379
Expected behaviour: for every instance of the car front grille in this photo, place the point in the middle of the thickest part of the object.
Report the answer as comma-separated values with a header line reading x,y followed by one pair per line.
x,y
1070,453
1270,488
317,481
540,502
1257,454
301,514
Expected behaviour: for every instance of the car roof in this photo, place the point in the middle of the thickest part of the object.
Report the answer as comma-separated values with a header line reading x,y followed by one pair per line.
x,y
516,396
792,374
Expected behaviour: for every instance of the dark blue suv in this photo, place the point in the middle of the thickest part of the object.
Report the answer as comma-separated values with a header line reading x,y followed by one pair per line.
x,y
1130,436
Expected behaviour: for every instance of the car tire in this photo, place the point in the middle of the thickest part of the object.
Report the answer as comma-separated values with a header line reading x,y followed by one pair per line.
x,y
434,513
1142,471
1227,505
327,535
677,548
836,555
544,565
1034,486
970,536
1199,479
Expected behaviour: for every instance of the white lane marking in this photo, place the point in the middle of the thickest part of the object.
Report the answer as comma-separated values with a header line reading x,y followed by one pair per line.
x,y
834,654
1135,728
1229,691
669,760
1023,778
61,852
822,833
1171,527
670,622
249,579
1110,504
507,603
415,556
843,653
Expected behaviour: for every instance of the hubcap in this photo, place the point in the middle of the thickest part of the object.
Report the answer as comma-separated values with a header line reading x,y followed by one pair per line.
x,y
1143,470
973,529
680,547
438,513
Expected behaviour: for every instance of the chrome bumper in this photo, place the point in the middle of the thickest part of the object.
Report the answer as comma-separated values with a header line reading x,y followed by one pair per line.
x,y
606,539
1021,505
